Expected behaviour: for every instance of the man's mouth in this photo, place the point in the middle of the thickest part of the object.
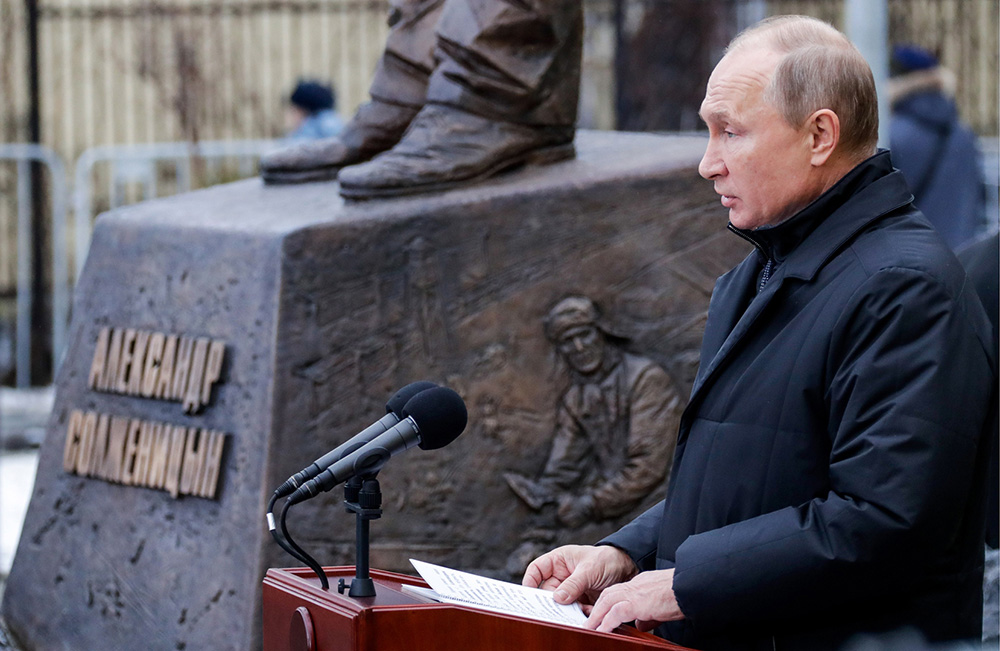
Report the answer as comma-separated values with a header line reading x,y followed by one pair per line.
x,y
728,200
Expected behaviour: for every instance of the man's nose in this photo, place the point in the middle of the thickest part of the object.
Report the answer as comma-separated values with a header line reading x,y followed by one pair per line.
x,y
711,164
578,343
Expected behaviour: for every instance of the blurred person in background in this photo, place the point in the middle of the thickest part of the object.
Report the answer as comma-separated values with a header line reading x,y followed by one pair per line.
x,y
934,150
981,260
312,112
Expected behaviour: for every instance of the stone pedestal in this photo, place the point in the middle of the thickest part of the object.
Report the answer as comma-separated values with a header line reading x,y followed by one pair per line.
x,y
300,315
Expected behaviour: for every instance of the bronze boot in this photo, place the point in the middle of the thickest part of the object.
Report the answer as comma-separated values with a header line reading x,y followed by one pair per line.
x,y
446,147
504,93
398,91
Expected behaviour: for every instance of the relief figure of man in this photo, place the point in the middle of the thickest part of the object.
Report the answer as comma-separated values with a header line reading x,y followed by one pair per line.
x,y
615,424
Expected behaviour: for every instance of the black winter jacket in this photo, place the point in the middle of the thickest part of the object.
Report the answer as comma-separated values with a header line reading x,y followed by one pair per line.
x,y
829,472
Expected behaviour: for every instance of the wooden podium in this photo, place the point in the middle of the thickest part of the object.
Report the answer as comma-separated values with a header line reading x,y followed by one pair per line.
x,y
300,616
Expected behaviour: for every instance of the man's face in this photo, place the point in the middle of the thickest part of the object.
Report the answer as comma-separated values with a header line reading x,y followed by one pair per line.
x,y
760,164
583,348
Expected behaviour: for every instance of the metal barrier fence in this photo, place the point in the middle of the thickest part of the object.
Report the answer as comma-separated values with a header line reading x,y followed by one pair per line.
x,y
24,156
143,165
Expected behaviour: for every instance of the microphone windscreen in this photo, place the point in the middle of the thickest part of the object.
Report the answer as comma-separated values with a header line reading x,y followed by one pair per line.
x,y
401,397
440,416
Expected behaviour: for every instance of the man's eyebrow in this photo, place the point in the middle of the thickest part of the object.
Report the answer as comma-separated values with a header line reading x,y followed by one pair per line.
x,y
718,115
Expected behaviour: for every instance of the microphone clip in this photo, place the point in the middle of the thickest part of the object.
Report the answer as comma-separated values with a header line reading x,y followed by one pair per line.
x,y
363,496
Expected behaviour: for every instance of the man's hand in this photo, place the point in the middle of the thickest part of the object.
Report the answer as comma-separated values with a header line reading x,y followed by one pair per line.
x,y
579,573
648,599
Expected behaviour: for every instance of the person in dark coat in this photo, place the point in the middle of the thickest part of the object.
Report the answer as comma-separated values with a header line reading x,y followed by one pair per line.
x,y
981,260
829,477
935,151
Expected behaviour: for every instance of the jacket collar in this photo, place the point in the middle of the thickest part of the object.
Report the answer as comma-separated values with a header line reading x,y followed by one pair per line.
x,y
868,191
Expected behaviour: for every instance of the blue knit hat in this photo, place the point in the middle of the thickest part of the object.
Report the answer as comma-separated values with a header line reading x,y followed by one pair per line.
x,y
311,96
908,58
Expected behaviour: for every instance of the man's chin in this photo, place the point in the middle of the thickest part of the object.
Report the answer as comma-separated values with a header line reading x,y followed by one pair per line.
x,y
745,221
740,220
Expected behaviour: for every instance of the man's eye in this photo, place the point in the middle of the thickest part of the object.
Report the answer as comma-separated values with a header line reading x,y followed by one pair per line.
x,y
730,134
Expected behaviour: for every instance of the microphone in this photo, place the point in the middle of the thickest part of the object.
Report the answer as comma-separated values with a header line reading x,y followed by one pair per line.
x,y
394,414
432,419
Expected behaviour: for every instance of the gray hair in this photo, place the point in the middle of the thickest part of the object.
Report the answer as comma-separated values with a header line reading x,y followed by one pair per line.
x,y
820,69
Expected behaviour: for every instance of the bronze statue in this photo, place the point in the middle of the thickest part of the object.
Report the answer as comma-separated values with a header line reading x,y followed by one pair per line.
x,y
616,424
464,89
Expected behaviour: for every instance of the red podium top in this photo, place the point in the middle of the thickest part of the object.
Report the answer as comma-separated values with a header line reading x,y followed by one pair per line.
x,y
300,616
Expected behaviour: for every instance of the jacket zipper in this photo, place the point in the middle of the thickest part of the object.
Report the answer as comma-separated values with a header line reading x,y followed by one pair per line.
x,y
768,260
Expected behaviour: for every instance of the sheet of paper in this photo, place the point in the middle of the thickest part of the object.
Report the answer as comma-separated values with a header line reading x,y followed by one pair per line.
x,y
419,591
497,596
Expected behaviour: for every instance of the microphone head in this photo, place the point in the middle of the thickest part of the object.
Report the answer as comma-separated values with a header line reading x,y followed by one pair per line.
x,y
440,416
398,401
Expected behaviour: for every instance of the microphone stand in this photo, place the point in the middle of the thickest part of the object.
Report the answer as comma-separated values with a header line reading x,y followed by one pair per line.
x,y
363,497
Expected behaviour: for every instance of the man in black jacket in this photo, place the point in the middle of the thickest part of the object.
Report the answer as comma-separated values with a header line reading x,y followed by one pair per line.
x,y
830,464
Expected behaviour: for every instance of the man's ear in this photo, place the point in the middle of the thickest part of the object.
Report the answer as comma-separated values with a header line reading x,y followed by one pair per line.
x,y
824,135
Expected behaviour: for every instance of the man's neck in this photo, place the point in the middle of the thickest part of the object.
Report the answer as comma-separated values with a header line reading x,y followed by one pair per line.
x,y
822,179
837,167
